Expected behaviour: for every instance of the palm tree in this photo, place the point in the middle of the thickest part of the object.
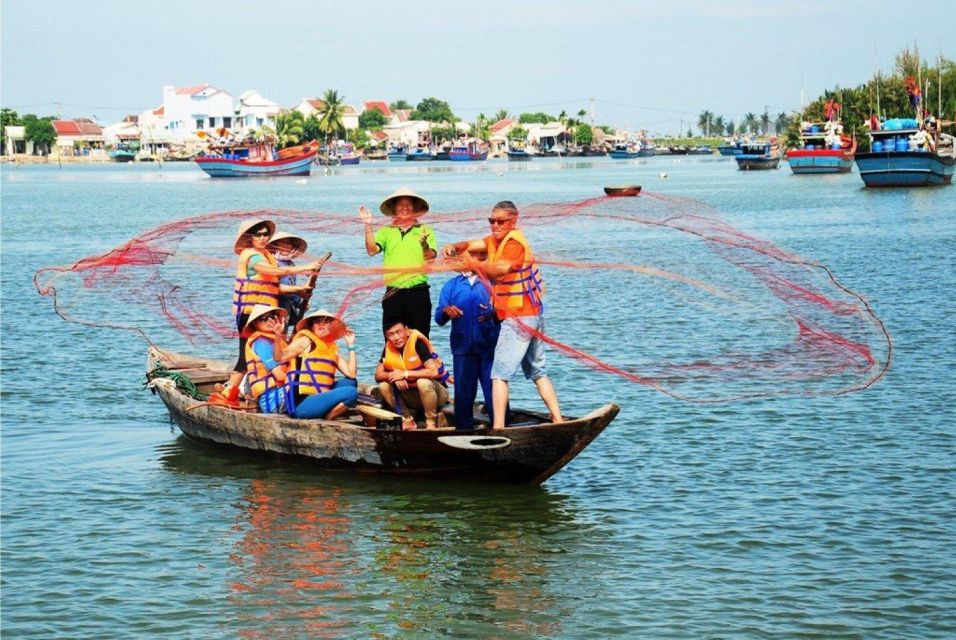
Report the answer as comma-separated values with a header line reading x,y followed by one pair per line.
x,y
750,123
703,122
330,116
781,123
719,125
290,127
730,127
502,114
765,122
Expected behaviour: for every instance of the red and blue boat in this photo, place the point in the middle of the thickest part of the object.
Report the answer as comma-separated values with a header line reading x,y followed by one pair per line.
x,y
823,149
904,154
468,153
256,159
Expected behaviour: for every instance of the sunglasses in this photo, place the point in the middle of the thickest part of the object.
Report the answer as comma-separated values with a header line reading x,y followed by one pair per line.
x,y
261,234
494,221
269,316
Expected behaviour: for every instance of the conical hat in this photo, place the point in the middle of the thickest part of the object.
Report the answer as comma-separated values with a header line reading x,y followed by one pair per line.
x,y
306,322
388,204
244,240
299,243
260,310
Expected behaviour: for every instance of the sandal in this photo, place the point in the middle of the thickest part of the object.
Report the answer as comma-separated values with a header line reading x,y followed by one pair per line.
x,y
409,424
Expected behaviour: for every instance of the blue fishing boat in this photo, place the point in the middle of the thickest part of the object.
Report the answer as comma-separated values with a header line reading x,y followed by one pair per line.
x,y
518,151
254,159
348,155
123,153
420,155
731,148
468,153
823,149
902,154
625,151
397,154
758,155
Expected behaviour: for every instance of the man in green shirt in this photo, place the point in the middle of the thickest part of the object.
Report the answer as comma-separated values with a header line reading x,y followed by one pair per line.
x,y
407,245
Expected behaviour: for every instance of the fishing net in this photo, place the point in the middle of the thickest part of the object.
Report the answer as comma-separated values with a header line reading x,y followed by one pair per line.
x,y
656,290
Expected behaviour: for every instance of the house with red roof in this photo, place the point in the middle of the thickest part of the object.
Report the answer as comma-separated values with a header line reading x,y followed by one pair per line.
x,y
381,105
308,106
77,137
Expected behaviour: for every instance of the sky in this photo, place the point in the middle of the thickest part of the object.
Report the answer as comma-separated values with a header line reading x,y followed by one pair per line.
x,y
653,65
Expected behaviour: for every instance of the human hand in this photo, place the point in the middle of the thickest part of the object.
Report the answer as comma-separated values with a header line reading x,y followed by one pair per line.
x,y
315,266
397,376
452,311
365,214
449,251
423,240
349,337
401,385
470,263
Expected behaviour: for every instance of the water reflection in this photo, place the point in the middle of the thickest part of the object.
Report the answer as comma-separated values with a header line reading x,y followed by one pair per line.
x,y
340,555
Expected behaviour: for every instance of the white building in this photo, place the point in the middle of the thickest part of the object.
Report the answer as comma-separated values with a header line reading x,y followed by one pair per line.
x,y
254,111
123,132
410,133
198,108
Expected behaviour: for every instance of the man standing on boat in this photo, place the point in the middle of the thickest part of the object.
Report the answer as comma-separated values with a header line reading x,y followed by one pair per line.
x,y
407,245
516,291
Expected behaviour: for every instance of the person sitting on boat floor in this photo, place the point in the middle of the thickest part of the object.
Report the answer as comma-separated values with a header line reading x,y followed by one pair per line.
x,y
411,376
265,373
466,301
286,248
407,245
517,290
256,283
314,391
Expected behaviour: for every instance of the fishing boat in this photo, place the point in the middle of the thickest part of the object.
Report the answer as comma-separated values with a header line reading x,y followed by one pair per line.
x,y
700,150
625,151
731,148
647,148
123,153
398,154
904,154
624,191
470,152
254,159
420,154
823,149
758,155
677,150
518,151
348,155
443,153
529,451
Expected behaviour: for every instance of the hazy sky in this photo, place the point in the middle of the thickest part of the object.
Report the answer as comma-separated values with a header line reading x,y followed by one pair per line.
x,y
646,64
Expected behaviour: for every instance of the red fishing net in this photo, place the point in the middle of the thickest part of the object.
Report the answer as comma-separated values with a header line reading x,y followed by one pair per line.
x,y
655,289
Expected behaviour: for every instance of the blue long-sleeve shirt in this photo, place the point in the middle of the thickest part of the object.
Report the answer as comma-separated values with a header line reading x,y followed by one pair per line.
x,y
477,329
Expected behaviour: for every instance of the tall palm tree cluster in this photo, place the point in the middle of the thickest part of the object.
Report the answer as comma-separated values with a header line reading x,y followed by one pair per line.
x,y
292,127
716,125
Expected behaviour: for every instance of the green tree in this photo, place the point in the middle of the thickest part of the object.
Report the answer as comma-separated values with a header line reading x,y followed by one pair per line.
x,y
718,126
443,133
518,133
8,118
399,104
39,131
765,122
310,127
330,118
372,119
704,122
781,123
730,128
584,134
501,114
434,110
481,128
750,123
359,138
538,117
290,127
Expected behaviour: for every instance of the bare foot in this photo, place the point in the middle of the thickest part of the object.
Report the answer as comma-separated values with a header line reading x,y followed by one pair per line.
x,y
337,411
409,424
557,420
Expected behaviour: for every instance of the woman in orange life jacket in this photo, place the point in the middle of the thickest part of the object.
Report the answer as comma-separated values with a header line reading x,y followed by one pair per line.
x,y
313,390
266,375
257,282
516,293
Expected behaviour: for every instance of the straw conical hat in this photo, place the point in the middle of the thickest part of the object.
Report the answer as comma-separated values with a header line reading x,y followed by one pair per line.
x,y
260,310
299,243
388,204
243,240
305,322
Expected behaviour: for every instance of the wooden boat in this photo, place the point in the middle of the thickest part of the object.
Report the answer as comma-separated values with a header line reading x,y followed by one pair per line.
x,y
731,148
253,159
894,162
123,153
298,150
761,155
468,153
397,154
822,150
623,191
625,151
678,150
529,451
518,151
700,150
420,155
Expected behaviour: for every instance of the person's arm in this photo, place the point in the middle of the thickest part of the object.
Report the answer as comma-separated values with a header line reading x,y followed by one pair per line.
x,y
371,247
512,258
444,300
266,354
292,288
266,269
381,375
349,368
458,248
431,365
427,240
294,349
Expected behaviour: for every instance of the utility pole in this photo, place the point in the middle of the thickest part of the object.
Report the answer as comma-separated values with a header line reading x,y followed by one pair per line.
x,y
591,100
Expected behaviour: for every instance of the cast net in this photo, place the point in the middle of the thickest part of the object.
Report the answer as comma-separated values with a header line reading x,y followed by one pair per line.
x,y
657,290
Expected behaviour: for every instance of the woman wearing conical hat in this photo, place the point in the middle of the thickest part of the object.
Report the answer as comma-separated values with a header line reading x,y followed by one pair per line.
x,y
257,283
406,245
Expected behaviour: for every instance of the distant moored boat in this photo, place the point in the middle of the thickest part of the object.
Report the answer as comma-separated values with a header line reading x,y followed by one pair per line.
x,y
902,154
761,155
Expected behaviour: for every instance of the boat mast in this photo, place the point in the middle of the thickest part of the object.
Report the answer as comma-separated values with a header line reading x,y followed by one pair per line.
x,y
878,113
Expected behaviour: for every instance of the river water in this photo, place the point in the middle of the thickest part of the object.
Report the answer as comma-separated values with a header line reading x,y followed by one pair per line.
x,y
793,516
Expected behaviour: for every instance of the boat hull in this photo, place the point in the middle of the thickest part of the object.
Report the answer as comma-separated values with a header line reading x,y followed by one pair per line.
x,y
223,168
519,156
468,157
729,150
419,157
904,169
754,163
804,162
519,454
624,155
349,160
396,157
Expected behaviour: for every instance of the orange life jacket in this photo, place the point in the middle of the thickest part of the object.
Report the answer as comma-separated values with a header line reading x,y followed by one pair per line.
x,y
509,290
260,379
408,359
259,289
314,371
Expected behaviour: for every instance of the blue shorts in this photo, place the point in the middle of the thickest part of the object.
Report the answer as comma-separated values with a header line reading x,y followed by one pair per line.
x,y
516,347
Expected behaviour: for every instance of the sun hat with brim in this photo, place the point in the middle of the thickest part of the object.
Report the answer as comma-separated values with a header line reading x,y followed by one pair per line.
x,y
244,240
299,243
388,204
260,310
306,322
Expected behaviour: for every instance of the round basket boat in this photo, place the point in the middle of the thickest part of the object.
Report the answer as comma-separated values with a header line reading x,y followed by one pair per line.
x,y
623,191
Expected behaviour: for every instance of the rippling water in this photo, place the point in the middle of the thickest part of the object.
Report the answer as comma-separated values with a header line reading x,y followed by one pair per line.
x,y
817,517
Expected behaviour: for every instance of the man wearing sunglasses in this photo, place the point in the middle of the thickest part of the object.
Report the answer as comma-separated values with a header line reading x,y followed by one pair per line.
x,y
516,292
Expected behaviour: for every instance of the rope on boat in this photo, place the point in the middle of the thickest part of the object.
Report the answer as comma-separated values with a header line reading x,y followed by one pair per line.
x,y
183,383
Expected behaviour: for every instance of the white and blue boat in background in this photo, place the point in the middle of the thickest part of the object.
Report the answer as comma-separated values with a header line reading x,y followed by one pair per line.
x,y
758,155
903,154
397,154
731,147
420,154
518,151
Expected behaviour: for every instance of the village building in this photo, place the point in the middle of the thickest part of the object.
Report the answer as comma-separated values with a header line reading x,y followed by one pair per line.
x,y
77,137
254,111
308,106
546,136
124,132
15,140
199,108
498,134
